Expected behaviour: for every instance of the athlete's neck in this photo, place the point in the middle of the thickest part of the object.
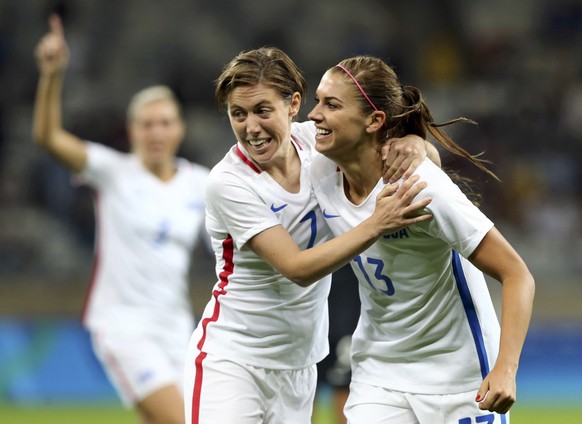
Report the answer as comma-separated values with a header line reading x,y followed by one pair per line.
x,y
286,169
164,172
361,174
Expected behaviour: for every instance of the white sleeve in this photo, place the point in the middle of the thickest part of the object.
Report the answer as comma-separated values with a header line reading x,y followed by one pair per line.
x,y
234,207
456,220
101,161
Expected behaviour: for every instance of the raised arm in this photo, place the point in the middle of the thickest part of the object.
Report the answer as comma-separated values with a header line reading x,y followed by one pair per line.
x,y
52,58
497,258
393,211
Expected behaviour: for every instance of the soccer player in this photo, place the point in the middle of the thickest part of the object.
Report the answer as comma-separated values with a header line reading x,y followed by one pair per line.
x,y
150,213
252,357
428,347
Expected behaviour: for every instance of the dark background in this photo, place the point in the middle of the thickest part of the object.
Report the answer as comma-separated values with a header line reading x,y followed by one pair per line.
x,y
513,66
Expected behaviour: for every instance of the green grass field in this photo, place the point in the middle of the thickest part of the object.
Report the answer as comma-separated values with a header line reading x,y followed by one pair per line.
x,y
115,415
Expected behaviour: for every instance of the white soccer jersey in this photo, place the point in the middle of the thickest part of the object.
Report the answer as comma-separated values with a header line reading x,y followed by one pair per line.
x,y
255,315
146,231
427,322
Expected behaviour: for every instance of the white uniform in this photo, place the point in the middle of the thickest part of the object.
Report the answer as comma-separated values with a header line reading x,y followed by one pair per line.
x,y
138,308
427,322
256,318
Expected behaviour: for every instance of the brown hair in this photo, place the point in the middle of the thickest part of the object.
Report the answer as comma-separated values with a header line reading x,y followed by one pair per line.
x,y
406,111
267,65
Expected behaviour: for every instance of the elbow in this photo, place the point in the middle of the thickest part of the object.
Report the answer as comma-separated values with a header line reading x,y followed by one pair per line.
x,y
40,138
302,281
300,278
37,136
531,284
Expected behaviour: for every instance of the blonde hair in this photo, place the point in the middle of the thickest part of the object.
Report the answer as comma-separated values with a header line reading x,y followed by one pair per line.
x,y
149,95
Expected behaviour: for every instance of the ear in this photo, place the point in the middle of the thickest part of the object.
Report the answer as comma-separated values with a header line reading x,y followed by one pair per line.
x,y
295,104
375,121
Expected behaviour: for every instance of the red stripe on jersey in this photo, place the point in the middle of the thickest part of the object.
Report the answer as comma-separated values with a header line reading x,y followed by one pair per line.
x,y
227,255
96,261
296,143
246,160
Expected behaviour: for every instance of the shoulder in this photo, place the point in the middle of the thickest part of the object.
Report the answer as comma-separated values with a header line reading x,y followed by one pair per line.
x,y
229,176
98,151
321,169
303,133
103,163
449,205
438,181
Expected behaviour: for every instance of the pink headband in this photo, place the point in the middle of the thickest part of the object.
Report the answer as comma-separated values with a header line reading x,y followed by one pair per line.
x,y
358,85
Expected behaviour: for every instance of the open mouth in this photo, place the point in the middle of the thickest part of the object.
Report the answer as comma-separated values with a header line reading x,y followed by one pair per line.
x,y
259,142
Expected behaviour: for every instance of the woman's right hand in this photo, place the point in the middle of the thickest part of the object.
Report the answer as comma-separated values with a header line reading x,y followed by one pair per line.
x,y
395,208
52,52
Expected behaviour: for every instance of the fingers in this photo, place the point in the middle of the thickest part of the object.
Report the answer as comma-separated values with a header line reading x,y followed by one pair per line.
x,y
51,52
412,187
410,212
417,209
393,161
396,169
56,25
494,401
388,190
401,157
482,393
405,222
409,183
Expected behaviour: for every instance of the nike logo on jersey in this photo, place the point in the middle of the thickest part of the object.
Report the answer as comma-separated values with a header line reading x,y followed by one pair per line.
x,y
328,215
278,208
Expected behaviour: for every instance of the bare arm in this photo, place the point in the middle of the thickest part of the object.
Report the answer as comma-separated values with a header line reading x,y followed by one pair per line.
x,y
403,155
393,207
52,56
497,258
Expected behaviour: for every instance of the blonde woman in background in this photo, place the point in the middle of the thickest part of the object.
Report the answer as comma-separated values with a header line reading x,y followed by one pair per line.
x,y
150,213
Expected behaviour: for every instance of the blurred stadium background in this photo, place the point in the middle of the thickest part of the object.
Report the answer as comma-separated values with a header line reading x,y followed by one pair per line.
x,y
515,66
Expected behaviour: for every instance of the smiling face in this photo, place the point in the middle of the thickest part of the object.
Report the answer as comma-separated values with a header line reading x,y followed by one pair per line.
x,y
261,120
342,126
156,131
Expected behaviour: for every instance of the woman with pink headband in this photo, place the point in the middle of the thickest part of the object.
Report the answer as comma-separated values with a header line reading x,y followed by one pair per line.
x,y
428,347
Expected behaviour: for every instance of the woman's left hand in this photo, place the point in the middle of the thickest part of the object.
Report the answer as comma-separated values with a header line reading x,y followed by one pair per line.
x,y
497,392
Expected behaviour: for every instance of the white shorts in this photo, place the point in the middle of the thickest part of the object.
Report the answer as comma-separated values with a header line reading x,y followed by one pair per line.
x,y
221,391
370,404
137,364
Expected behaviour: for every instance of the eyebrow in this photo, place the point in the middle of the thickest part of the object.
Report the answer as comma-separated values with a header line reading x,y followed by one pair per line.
x,y
254,106
328,98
